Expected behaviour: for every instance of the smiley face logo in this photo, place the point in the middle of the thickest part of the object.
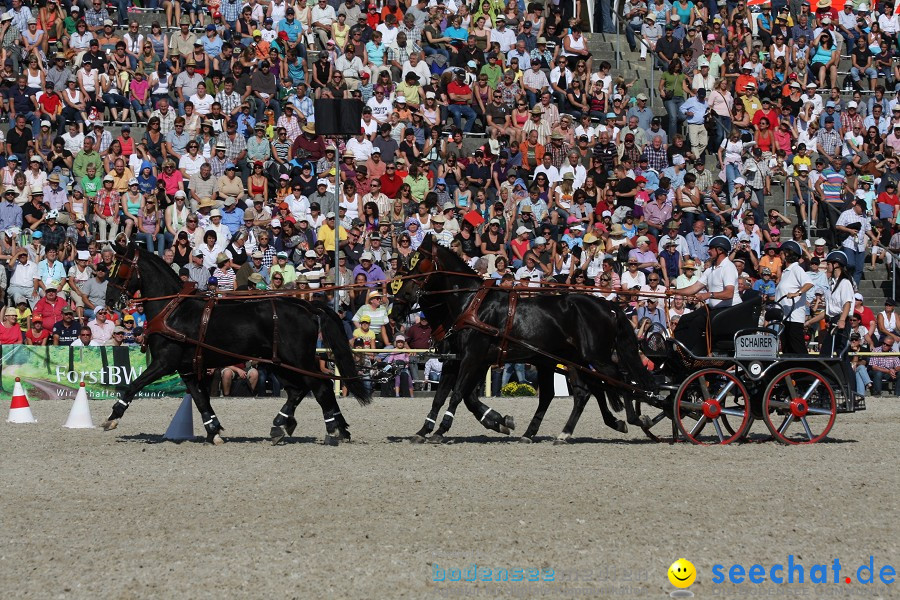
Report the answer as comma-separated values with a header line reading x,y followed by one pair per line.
x,y
682,573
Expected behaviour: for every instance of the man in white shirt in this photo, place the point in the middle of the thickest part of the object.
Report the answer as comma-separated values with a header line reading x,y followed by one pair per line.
x,y
21,285
322,16
546,167
854,246
718,285
85,338
530,272
360,146
503,36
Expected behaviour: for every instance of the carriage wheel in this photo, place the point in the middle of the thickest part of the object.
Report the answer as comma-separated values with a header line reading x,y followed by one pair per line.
x,y
799,407
706,401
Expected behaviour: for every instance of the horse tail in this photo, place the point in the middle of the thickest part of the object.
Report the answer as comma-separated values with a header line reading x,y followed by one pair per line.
x,y
335,337
629,354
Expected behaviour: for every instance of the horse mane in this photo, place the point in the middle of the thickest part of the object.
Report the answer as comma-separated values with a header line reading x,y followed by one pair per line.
x,y
151,259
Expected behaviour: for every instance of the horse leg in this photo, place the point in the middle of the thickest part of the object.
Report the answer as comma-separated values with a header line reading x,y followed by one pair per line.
x,y
580,397
443,390
465,384
155,370
599,390
545,383
200,393
284,423
486,415
324,394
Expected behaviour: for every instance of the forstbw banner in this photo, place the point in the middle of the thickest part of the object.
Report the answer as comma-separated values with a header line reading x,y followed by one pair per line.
x,y
56,372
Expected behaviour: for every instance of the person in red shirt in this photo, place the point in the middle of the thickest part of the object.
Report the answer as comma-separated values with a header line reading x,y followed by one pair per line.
x,y
37,335
888,201
50,107
390,182
766,112
866,316
50,307
10,331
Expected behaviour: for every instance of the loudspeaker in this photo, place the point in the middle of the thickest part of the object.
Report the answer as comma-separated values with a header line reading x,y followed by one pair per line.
x,y
338,117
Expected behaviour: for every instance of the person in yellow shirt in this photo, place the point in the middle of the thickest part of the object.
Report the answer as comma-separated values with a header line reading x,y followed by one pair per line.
x,y
326,233
801,158
364,331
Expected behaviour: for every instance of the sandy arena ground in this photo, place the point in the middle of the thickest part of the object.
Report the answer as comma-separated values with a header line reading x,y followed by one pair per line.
x,y
88,514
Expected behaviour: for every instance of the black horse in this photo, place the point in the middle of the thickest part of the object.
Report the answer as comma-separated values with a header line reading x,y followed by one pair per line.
x,y
281,329
582,331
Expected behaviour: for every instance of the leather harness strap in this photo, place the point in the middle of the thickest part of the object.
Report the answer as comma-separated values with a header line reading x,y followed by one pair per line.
x,y
275,359
204,323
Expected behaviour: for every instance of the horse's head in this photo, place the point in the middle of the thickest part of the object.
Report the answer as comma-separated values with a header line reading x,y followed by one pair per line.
x,y
407,287
123,279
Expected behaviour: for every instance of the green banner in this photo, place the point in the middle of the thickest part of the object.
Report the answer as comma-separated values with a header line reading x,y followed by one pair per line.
x,y
57,371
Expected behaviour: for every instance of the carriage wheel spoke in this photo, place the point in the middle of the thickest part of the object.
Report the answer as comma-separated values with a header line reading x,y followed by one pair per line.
x,y
718,430
819,411
724,391
733,412
701,422
704,387
787,423
792,391
691,406
809,433
811,389
777,404
657,418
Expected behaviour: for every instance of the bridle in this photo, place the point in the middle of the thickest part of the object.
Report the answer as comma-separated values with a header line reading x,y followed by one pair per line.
x,y
123,269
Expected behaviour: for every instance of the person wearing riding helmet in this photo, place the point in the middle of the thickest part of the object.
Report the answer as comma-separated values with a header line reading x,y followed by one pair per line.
x,y
838,306
791,295
720,281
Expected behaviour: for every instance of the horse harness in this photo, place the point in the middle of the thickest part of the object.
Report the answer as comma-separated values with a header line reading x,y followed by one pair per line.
x,y
469,319
160,325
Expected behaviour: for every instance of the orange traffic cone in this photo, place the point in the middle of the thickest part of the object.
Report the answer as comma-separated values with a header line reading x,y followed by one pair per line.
x,y
19,409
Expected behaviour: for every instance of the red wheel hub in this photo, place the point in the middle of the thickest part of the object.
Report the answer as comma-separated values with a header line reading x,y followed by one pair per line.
x,y
712,409
799,408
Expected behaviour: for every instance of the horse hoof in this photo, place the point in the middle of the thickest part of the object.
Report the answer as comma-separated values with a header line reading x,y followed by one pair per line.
x,y
510,422
525,440
417,439
217,440
503,429
331,440
436,439
561,441
277,434
110,424
344,435
290,425
645,422
622,427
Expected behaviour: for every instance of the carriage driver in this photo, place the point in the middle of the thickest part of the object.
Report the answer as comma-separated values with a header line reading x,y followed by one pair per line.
x,y
720,280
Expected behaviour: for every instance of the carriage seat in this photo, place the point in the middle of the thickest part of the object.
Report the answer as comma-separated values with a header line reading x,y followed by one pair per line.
x,y
723,324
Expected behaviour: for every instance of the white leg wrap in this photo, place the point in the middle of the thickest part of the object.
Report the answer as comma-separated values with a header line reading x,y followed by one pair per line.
x,y
448,414
486,413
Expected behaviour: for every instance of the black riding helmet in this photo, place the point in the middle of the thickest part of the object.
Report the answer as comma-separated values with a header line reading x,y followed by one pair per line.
x,y
837,257
791,246
721,242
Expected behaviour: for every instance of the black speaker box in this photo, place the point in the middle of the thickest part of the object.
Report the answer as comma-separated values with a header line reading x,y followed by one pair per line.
x,y
338,117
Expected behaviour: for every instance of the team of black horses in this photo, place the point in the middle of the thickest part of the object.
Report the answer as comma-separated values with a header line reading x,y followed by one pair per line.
x,y
590,336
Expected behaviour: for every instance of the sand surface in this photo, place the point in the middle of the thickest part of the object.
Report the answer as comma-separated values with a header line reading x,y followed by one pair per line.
x,y
123,514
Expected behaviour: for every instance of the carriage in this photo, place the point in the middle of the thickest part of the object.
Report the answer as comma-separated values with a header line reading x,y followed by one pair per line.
x,y
715,376
720,372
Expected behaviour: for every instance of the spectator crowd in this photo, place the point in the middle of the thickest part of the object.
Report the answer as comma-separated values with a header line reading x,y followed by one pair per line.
x,y
487,124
